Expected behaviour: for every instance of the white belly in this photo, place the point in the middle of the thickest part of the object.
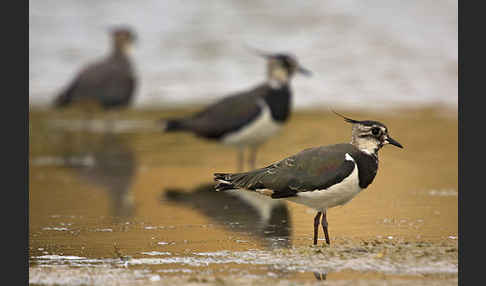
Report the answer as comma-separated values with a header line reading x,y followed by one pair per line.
x,y
335,195
256,132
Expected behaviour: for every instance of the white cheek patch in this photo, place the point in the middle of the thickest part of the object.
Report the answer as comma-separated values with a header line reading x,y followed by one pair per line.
x,y
367,146
278,74
128,48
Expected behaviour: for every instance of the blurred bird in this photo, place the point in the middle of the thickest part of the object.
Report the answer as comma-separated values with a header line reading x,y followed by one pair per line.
x,y
108,162
108,83
248,118
321,177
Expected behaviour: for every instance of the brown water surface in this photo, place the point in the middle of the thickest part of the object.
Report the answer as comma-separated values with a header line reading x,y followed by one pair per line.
x,y
134,206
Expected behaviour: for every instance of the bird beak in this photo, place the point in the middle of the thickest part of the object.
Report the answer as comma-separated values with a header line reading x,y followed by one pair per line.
x,y
392,141
304,71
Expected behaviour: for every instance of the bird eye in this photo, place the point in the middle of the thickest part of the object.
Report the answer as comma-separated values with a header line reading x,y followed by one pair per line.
x,y
375,131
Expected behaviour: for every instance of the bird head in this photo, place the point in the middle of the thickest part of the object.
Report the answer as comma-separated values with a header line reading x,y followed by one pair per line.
x,y
123,39
369,136
281,67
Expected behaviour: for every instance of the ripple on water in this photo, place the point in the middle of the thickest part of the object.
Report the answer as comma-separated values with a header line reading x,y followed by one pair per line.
x,y
387,257
154,253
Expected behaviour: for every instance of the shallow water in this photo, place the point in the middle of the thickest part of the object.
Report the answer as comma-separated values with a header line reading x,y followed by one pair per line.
x,y
130,206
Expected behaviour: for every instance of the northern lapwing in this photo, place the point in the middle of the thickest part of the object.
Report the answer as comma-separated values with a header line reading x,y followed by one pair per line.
x,y
107,83
320,177
248,118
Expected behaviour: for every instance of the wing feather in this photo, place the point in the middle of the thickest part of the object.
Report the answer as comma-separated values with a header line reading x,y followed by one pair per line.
x,y
311,169
228,114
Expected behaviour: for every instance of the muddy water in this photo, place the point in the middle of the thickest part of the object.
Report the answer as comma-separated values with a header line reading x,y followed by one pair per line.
x,y
120,204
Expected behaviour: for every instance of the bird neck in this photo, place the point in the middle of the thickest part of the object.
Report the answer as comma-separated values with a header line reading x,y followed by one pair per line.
x,y
279,102
367,167
121,50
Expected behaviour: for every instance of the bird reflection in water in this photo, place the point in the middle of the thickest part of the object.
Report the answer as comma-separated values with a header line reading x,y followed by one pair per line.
x,y
243,212
109,162
320,275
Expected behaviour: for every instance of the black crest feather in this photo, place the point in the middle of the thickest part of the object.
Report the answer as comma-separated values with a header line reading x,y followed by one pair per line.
x,y
346,118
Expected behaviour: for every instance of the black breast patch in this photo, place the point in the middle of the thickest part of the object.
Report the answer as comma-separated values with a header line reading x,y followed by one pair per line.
x,y
367,168
279,102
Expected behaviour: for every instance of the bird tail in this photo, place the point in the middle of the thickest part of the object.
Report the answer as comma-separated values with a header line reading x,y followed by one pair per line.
x,y
172,125
251,180
228,181
66,97
63,100
224,182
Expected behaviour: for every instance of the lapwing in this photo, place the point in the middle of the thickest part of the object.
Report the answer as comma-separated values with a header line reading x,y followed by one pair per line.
x,y
108,83
248,118
320,177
